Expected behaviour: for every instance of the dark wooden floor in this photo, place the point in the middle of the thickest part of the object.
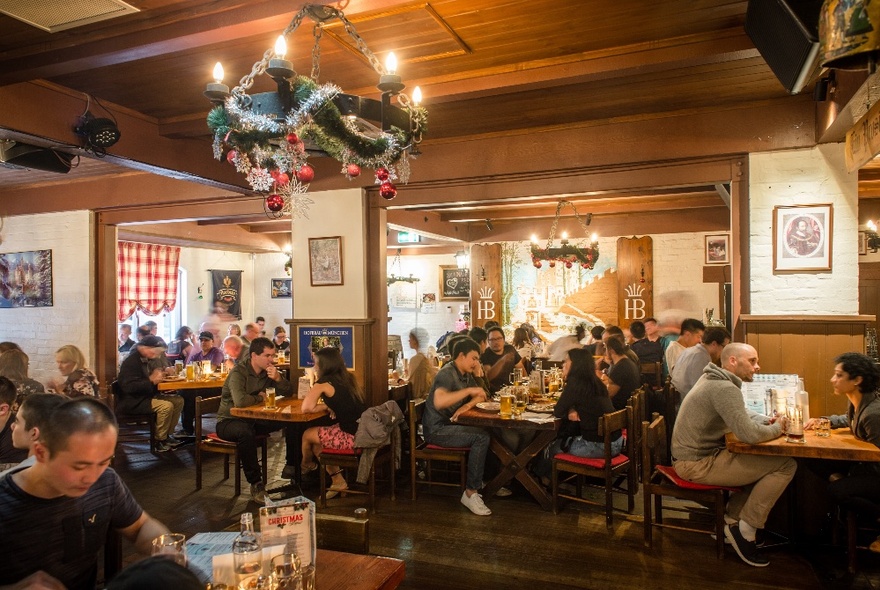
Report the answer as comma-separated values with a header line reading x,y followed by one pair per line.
x,y
519,546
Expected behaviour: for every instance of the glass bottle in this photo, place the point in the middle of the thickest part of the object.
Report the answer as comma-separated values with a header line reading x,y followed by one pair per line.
x,y
247,555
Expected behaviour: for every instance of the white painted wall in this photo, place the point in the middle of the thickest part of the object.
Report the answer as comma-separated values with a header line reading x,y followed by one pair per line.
x,y
266,268
333,213
41,331
801,177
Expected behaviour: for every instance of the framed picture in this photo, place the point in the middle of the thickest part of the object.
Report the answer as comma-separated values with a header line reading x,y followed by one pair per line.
x,y
802,238
325,261
863,243
455,283
718,249
280,289
26,279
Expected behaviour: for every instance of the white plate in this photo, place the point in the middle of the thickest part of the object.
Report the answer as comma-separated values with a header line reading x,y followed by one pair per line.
x,y
545,408
490,406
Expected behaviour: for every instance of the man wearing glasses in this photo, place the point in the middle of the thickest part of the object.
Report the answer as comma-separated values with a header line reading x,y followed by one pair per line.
x,y
499,360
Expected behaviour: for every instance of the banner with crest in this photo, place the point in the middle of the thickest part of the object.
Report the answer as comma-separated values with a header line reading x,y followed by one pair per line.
x,y
227,291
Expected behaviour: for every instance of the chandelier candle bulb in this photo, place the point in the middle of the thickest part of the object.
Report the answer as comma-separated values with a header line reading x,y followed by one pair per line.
x,y
417,96
217,91
280,68
390,81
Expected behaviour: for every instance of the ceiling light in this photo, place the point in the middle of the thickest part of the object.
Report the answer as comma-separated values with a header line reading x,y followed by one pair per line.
x,y
570,254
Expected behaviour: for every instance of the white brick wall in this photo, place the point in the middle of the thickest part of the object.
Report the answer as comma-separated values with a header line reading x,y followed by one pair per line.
x,y
266,268
41,331
801,177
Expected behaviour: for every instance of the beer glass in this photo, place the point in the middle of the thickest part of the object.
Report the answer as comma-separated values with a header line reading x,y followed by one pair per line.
x,y
795,431
506,406
823,427
172,546
270,398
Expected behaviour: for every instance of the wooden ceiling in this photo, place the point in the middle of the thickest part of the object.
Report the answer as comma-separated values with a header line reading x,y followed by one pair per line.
x,y
488,68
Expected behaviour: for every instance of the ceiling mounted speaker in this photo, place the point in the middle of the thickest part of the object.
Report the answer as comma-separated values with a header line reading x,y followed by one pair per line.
x,y
21,155
786,34
850,34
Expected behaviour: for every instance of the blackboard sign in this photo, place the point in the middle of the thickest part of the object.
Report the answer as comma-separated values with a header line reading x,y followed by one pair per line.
x,y
455,283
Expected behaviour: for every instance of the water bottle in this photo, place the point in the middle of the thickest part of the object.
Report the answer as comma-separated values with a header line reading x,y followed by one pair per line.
x,y
247,555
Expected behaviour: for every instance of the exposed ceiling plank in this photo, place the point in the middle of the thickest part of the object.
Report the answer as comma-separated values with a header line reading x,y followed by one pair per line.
x,y
192,235
424,223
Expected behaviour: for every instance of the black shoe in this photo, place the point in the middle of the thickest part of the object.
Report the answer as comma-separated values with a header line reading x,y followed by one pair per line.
x,y
289,472
745,549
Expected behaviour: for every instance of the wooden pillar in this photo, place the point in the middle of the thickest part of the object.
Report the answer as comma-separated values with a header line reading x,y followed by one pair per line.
x,y
486,284
106,347
376,378
635,279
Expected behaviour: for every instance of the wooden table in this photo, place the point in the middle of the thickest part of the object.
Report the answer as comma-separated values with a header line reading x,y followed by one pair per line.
x,y
841,446
514,465
289,410
172,385
348,571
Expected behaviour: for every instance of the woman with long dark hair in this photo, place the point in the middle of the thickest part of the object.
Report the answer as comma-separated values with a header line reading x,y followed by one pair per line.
x,y
583,402
345,401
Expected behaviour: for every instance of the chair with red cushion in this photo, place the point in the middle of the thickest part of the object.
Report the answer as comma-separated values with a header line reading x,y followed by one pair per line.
x,y
607,468
659,479
420,450
350,459
211,443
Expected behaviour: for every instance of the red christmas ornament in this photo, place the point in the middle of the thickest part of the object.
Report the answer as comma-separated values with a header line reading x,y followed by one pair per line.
x,y
353,170
387,190
230,156
292,138
568,264
537,264
585,265
274,203
282,178
382,174
305,174
552,264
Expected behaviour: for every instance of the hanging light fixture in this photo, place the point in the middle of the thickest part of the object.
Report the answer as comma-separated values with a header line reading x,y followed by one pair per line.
x,y
394,278
97,133
462,259
569,254
269,136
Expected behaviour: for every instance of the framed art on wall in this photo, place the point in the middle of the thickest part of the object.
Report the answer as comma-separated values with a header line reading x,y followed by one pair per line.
x,y
717,249
281,289
802,238
863,243
455,283
26,279
325,261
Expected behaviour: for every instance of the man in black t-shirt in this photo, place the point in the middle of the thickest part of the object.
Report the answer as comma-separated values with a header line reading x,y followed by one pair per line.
x,y
499,360
624,376
54,514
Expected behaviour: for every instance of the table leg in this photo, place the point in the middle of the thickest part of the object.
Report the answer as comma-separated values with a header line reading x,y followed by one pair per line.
x,y
515,466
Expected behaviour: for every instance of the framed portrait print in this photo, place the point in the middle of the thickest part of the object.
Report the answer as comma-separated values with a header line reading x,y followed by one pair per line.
x,y
863,243
717,249
325,261
802,238
281,289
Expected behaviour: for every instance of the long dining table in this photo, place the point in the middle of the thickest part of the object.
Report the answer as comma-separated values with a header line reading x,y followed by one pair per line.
x,y
514,465
179,384
841,445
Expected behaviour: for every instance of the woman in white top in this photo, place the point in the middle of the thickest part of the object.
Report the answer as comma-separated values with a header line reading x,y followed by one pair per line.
x,y
421,370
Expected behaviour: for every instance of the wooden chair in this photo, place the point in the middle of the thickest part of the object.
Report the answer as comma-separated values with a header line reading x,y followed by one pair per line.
x,y
672,399
343,533
652,374
420,450
211,443
659,479
147,419
350,459
608,468
638,402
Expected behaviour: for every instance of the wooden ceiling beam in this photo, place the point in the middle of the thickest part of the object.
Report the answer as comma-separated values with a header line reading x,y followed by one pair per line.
x,y
192,235
425,223
281,226
181,211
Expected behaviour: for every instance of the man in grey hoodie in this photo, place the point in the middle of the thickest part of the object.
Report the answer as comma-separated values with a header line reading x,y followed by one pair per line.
x,y
713,408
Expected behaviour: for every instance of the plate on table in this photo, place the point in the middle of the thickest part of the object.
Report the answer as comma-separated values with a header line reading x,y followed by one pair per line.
x,y
275,409
545,408
172,379
489,406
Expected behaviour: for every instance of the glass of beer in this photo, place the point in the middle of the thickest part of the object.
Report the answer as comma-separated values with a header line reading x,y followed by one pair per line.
x,y
823,427
506,410
521,401
172,546
795,431
270,398
190,372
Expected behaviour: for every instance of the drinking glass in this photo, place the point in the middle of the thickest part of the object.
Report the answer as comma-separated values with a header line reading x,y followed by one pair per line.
x,y
506,406
190,372
247,560
286,572
795,431
178,367
270,398
172,546
823,427
521,401
308,577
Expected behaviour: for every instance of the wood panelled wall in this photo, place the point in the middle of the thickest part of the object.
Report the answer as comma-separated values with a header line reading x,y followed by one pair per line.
x,y
807,345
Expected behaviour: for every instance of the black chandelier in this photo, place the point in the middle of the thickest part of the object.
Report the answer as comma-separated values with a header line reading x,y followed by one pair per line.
x,y
586,255
269,136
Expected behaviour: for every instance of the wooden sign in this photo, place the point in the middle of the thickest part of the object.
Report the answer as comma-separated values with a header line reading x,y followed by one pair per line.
x,y
635,279
487,297
863,140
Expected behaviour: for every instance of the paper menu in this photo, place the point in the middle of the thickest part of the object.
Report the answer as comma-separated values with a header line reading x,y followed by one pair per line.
x,y
768,392
291,522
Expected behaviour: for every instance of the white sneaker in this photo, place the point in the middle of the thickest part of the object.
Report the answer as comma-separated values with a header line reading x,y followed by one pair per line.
x,y
475,504
503,493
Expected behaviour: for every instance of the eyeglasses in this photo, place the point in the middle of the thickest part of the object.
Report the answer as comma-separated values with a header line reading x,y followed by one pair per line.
x,y
496,339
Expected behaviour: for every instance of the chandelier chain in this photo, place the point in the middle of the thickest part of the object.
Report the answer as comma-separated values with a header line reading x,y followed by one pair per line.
x,y
316,51
577,216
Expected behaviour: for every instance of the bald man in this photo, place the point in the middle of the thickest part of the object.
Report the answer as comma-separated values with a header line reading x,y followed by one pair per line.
x,y
714,407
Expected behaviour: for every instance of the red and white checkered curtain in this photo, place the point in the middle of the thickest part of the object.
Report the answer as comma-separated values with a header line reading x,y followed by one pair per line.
x,y
147,278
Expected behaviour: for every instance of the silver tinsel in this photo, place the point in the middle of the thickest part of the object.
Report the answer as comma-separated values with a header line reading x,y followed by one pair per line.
x,y
248,121
217,146
316,101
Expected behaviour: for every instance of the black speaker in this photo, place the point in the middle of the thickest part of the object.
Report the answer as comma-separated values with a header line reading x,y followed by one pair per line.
x,y
36,158
786,34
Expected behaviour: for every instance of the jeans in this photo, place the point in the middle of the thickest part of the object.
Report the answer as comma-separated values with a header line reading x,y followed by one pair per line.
x,y
474,437
244,433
